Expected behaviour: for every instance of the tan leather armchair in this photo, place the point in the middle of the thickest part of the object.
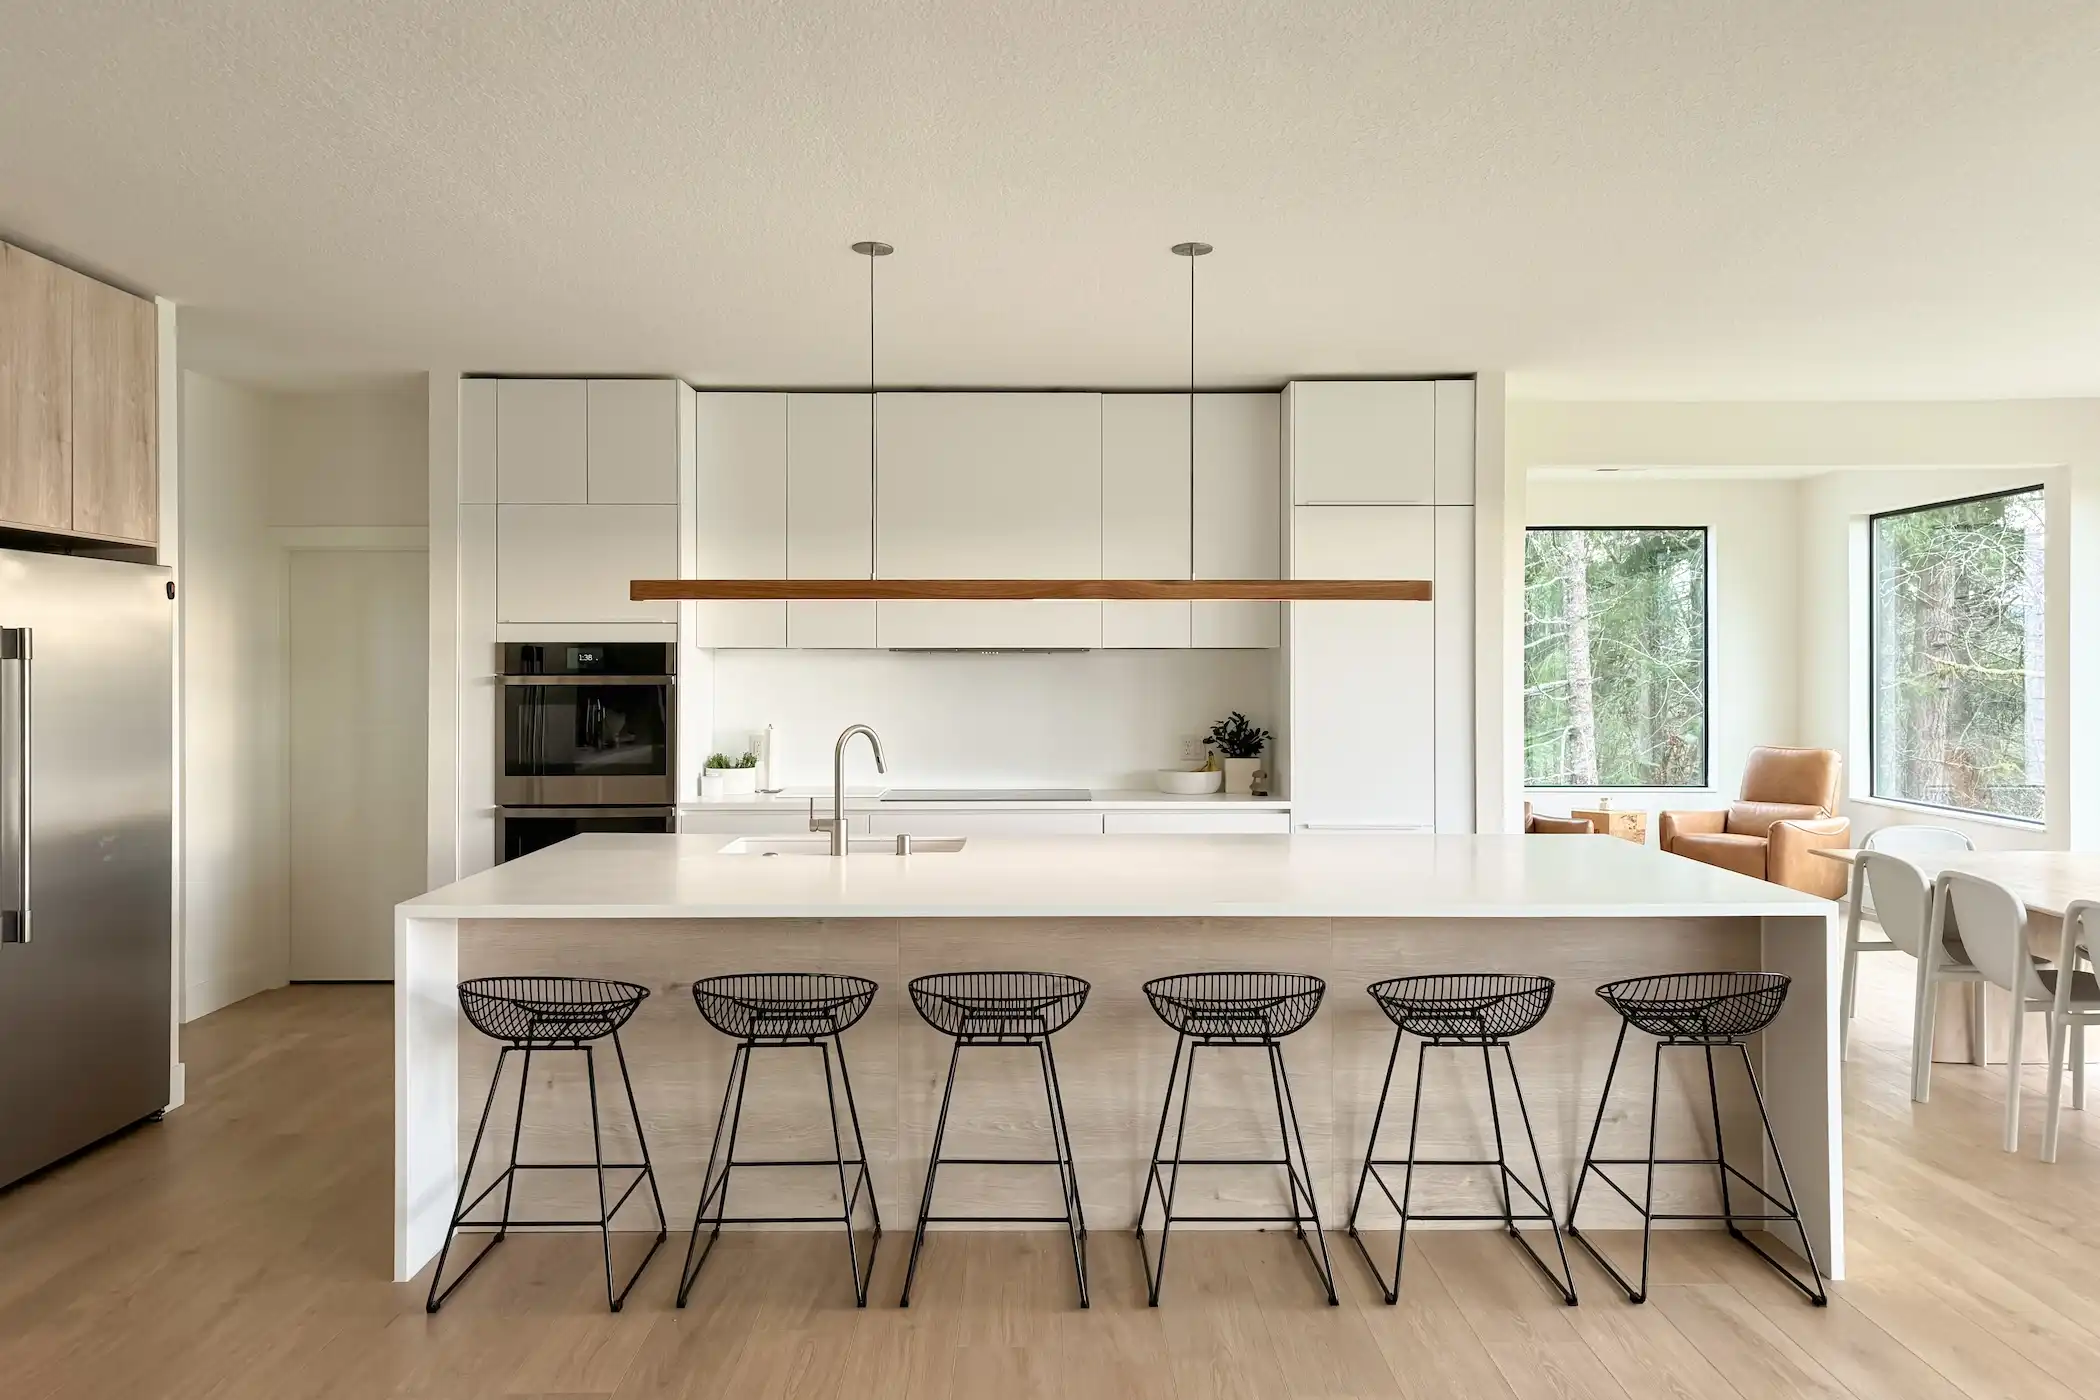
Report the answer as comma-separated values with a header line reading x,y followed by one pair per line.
x,y
1785,812
1536,825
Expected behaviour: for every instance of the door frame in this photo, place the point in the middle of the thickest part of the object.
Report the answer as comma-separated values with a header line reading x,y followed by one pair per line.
x,y
316,539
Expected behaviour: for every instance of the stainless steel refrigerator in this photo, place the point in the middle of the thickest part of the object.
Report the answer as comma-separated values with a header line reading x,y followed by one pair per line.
x,y
86,832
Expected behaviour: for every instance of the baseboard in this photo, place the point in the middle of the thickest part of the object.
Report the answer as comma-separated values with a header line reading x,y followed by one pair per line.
x,y
201,998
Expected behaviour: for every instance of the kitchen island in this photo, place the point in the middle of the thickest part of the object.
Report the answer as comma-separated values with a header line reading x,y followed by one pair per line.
x,y
664,910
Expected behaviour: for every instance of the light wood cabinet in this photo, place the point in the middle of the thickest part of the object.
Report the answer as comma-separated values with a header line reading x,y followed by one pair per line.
x,y
573,563
79,404
829,520
1145,513
36,392
542,442
631,442
1363,442
741,511
116,471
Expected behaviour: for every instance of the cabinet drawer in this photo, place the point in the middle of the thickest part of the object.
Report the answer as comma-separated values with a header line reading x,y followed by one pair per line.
x,y
1196,823
939,824
733,823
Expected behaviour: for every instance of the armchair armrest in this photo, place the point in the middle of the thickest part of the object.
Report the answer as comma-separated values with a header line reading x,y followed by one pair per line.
x,y
1671,825
1562,826
1788,860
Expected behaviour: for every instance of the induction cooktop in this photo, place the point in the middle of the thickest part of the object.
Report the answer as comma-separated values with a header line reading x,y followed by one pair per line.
x,y
987,795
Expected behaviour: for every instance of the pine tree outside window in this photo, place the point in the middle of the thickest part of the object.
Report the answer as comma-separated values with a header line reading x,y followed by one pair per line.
x,y
1615,657
1958,711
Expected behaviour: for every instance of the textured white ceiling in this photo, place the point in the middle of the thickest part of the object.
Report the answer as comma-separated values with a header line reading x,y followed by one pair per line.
x,y
1813,198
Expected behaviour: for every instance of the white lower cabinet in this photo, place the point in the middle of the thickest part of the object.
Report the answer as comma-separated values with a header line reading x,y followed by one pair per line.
x,y
733,823
1196,823
571,563
944,823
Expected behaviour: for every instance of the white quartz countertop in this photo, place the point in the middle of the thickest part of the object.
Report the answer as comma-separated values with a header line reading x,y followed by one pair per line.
x,y
870,799
605,876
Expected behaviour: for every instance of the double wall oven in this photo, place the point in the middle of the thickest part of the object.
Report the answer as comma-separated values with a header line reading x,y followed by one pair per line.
x,y
586,741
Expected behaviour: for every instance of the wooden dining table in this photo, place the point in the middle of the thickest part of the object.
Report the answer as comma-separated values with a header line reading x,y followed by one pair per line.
x,y
2046,882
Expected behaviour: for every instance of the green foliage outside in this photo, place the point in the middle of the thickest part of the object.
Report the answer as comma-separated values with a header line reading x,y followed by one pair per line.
x,y
1615,658
1958,648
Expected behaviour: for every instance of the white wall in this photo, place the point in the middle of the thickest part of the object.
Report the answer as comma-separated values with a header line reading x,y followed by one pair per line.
x,y
1102,719
235,799
1753,657
254,465
1835,671
352,456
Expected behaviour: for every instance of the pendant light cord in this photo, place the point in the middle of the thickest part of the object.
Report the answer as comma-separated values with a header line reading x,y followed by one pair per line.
x,y
1192,418
871,417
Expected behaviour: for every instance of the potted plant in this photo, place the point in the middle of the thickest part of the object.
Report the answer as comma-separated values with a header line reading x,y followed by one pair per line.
x,y
1239,742
729,777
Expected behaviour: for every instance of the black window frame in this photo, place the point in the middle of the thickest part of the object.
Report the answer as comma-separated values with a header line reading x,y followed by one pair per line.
x,y
1706,662
1874,520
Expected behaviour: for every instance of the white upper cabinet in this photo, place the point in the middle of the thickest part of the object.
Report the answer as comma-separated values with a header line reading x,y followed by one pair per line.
x,y
477,442
631,455
829,525
573,563
1364,542
1145,513
1455,792
1454,442
1364,442
740,512
1239,496
988,486
541,441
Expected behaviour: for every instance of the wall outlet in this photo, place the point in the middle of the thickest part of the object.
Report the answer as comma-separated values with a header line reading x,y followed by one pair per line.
x,y
1191,748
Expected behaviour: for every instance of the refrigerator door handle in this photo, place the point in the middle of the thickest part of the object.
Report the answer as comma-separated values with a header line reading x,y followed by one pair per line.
x,y
17,654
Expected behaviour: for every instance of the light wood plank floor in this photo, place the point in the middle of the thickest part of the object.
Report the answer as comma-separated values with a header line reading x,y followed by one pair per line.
x,y
240,1250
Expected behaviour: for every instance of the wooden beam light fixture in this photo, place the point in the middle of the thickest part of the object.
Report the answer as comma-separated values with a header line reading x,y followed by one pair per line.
x,y
1235,590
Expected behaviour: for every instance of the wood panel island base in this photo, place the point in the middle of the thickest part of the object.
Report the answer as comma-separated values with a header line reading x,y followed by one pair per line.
x,y
665,910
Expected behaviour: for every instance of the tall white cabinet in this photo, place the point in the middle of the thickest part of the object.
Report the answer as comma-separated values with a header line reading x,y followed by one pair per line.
x,y
1381,694
583,477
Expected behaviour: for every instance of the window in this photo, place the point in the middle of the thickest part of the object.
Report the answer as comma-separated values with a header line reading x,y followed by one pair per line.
x,y
1615,657
1957,712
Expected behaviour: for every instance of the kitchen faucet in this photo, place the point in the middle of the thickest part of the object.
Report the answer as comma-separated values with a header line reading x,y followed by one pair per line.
x,y
837,824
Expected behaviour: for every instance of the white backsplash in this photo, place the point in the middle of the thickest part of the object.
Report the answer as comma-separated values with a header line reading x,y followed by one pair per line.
x,y
1100,719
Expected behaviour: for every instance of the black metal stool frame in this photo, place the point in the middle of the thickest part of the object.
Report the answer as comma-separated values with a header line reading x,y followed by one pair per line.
x,y
1510,1218
1287,1127
507,1178
715,1188
1009,1029
1787,1209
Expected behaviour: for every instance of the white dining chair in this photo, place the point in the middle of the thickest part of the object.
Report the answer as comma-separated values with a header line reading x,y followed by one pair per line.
x,y
1896,841
1993,925
1904,902
2077,1003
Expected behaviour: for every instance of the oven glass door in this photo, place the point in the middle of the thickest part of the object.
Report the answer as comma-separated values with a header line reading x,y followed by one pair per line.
x,y
521,831
581,740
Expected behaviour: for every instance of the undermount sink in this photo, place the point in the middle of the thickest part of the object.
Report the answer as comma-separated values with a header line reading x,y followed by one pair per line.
x,y
821,846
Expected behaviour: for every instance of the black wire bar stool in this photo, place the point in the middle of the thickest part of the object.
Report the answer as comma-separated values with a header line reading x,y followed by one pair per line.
x,y
1461,1011
783,1011
1014,1009
542,1016
1702,1011
1222,1010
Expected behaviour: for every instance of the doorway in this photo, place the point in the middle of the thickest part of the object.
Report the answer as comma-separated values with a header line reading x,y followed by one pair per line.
x,y
358,661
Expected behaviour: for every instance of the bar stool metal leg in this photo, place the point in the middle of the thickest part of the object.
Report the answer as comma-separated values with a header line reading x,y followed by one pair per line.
x,y
712,1212
1505,1178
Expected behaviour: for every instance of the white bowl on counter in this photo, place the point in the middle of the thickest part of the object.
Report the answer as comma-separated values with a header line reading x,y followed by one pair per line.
x,y
1182,783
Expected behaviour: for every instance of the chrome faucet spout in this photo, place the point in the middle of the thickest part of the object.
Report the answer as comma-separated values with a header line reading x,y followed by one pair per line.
x,y
837,825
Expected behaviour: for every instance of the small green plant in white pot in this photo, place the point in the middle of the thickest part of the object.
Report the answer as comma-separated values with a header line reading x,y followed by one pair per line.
x,y
729,777
1239,744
